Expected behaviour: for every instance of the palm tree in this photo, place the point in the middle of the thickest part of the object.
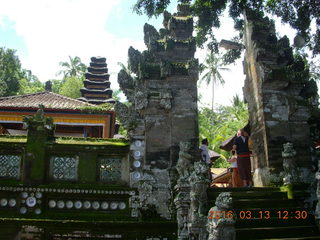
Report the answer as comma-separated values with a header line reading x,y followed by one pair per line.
x,y
73,68
213,64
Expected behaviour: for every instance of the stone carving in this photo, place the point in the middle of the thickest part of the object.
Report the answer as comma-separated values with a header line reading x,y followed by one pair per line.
x,y
151,35
198,195
165,69
135,58
127,117
291,174
110,169
221,228
141,98
126,83
165,101
184,162
39,121
64,168
10,166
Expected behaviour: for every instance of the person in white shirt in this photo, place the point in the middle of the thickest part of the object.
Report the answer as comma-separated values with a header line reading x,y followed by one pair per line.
x,y
204,151
205,157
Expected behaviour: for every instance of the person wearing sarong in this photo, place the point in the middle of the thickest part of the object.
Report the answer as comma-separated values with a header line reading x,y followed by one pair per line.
x,y
235,178
241,147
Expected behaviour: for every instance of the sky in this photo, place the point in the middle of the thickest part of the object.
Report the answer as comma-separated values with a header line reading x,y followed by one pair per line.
x,y
46,32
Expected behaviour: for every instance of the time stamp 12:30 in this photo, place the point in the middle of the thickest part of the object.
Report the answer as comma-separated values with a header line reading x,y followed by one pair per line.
x,y
259,214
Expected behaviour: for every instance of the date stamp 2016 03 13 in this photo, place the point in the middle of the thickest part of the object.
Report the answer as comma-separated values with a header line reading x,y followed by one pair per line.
x,y
259,214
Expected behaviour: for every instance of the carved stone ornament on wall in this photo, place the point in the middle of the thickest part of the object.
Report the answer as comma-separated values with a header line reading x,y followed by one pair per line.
x,y
110,169
64,168
127,117
198,195
165,101
184,166
10,166
141,98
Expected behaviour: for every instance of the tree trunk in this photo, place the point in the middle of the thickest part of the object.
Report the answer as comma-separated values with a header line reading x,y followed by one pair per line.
x,y
212,100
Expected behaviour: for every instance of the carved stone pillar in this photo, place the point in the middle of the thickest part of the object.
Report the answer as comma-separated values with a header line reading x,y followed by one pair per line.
x,y
198,195
291,174
222,228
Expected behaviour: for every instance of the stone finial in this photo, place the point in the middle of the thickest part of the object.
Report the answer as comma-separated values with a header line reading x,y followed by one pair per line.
x,y
135,58
48,86
151,35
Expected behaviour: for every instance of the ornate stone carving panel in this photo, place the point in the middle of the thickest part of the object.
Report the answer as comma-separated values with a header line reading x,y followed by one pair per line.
x,y
64,168
10,166
110,169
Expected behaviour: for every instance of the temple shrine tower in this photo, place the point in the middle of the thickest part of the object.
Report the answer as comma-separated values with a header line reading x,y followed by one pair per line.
x,y
97,85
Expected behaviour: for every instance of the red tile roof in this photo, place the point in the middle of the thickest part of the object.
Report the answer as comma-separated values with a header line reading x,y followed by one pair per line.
x,y
48,99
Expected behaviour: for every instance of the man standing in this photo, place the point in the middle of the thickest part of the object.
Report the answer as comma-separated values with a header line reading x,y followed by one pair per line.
x,y
240,145
204,155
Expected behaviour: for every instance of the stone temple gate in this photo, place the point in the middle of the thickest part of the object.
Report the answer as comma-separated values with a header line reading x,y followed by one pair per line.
x,y
162,119
154,186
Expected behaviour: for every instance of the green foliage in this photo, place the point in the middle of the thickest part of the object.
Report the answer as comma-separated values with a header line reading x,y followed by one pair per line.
x,y
297,13
213,65
56,85
151,8
29,83
73,68
71,87
10,72
221,124
98,108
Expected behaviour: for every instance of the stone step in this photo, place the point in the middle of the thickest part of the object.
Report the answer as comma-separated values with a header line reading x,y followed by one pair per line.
x,y
272,222
276,232
294,238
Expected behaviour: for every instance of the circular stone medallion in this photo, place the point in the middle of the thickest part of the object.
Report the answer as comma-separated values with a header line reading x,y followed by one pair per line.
x,y
95,205
37,211
122,205
31,201
24,194
104,205
23,210
60,204
78,204
113,205
52,203
138,143
69,204
136,163
3,202
12,202
86,204
136,175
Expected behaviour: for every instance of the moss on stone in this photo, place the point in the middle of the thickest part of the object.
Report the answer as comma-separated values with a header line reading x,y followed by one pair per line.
x,y
92,141
87,169
10,138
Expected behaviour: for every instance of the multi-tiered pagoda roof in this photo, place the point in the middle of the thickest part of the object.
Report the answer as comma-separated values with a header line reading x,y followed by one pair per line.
x,y
97,85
